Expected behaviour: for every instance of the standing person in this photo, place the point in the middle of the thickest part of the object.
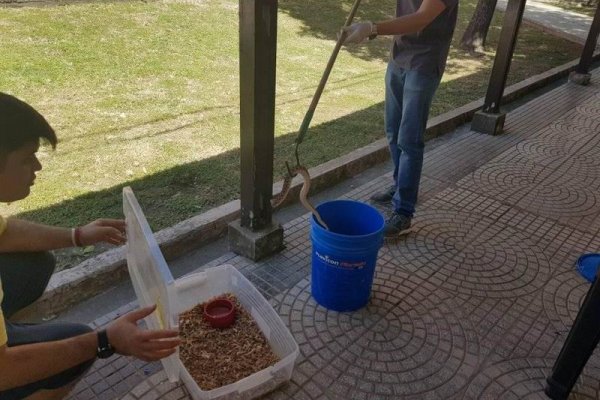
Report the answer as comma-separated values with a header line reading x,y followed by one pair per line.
x,y
422,33
44,361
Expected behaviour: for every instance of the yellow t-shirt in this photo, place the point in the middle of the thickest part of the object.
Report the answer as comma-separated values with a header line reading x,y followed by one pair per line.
x,y
3,338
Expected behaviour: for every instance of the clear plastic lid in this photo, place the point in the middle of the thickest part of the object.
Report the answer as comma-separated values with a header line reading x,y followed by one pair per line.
x,y
150,275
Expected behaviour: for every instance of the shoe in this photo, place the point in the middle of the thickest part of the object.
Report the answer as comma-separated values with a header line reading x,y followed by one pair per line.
x,y
385,196
396,225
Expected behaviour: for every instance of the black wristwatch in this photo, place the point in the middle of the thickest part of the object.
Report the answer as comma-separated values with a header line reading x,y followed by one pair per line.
x,y
105,350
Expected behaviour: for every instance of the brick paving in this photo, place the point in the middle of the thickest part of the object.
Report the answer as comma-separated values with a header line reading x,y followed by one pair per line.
x,y
474,303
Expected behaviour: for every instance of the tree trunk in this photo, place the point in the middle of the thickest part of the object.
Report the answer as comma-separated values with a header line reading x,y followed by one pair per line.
x,y
473,39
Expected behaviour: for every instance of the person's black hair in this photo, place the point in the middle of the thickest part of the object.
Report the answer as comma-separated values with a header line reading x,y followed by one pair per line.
x,y
21,124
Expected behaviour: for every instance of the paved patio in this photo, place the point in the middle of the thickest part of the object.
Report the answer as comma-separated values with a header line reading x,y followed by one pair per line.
x,y
474,303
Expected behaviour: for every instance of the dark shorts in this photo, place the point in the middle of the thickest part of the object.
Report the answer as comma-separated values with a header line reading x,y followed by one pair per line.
x,y
19,334
24,278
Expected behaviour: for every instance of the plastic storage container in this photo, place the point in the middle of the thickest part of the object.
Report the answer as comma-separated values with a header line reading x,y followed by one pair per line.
x,y
154,284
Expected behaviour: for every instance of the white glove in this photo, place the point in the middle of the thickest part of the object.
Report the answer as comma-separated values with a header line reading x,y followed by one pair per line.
x,y
358,32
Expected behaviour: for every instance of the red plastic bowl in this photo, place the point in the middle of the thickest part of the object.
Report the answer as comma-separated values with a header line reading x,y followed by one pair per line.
x,y
219,313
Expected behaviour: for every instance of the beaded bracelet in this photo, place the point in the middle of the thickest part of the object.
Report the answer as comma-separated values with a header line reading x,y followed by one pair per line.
x,y
76,237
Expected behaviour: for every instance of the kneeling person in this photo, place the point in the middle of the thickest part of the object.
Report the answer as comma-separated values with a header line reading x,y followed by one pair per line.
x,y
44,361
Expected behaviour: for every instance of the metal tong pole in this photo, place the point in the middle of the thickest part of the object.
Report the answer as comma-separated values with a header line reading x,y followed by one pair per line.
x,y
315,100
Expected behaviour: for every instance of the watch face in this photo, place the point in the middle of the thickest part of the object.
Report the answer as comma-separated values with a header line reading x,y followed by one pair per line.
x,y
105,352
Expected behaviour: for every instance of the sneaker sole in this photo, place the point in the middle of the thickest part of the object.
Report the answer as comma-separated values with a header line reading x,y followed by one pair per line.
x,y
399,234
381,202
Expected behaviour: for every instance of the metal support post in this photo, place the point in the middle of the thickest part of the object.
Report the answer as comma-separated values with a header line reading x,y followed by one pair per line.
x,y
582,75
489,120
258,43
579,346
255,235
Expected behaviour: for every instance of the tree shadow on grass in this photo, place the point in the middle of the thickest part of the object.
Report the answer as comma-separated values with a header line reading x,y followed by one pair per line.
x,y
178,193
323,19
189,189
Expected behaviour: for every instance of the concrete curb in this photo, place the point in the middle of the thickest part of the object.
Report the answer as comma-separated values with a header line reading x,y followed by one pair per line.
x,y
105,270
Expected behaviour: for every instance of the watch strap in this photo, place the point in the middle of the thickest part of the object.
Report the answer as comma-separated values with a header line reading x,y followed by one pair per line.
x,y
105,350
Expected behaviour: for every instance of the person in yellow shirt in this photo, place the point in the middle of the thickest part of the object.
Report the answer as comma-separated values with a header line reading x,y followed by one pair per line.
x,y
43,361
3,337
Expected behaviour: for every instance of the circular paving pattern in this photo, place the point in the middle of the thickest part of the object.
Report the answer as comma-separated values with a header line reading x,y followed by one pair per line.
x,y
573,140
408,341
546,151
471,254
590,110
506,180
589,157
526,379
562,298
574,158
585,167
538,189
561,198
574,128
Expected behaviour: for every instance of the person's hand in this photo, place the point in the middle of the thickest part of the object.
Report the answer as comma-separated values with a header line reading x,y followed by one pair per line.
x,y
128,339
358,32
102,230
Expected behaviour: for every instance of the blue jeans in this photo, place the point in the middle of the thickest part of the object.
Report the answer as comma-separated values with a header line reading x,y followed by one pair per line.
x,y
408,96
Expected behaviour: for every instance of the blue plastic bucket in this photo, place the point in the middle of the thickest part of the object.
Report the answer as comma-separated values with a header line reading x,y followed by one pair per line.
x,y
344,258
588,265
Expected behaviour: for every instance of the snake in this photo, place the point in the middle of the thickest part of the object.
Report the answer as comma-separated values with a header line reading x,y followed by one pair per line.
x,y
299,169
287,185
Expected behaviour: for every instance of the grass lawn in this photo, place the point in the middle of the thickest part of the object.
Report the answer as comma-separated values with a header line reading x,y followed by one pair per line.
x,y
146,94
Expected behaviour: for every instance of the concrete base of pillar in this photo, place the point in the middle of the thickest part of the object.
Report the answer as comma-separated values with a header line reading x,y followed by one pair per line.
x,y
579,78
255,245
488,123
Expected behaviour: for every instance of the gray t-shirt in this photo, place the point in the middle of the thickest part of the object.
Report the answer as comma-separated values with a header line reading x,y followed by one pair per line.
x,y
426,50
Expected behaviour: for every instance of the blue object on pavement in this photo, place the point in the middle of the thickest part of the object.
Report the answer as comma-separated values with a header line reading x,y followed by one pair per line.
x,y
587,265
344,257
